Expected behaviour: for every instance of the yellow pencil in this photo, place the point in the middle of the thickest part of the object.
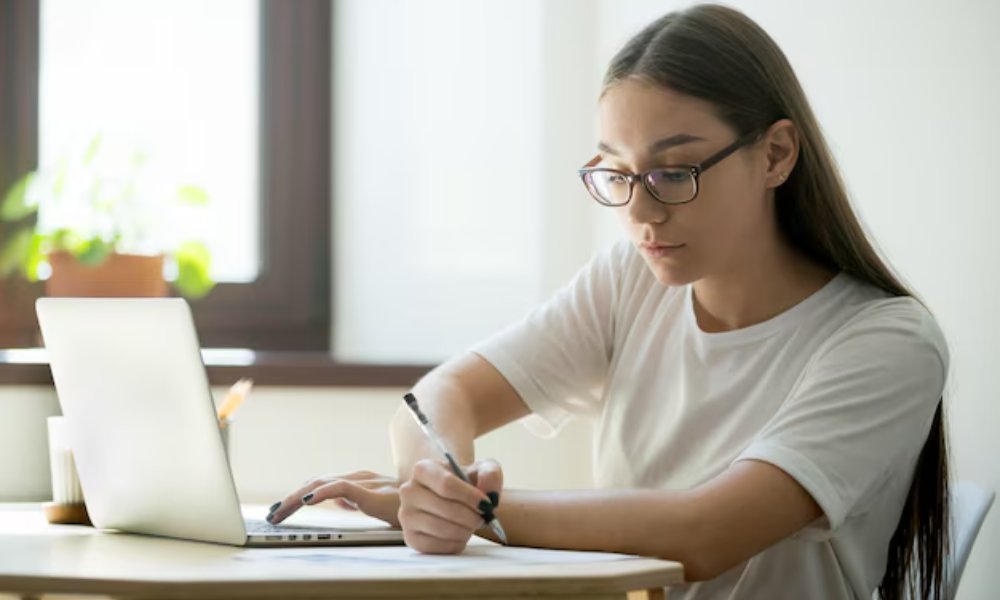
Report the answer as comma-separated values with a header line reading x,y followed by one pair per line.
x,y
234,397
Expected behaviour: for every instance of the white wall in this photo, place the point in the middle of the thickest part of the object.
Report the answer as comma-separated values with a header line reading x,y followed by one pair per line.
x,y
284,436
908,93
459,127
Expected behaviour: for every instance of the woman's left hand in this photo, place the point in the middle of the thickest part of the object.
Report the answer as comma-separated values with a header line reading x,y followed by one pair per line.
x,y
373,494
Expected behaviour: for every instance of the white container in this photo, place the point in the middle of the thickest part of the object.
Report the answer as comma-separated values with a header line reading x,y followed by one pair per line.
x,y
65,481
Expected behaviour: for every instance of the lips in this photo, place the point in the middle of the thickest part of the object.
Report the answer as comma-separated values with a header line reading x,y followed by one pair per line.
x,y
661,250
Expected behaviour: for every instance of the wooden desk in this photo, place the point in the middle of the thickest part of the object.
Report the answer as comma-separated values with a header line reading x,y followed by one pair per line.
x,y
37,558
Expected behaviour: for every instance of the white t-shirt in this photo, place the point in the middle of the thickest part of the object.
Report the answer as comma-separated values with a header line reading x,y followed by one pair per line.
x,y
839,392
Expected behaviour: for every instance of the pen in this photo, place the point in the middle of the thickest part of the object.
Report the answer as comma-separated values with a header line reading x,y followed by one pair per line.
x,y
428,429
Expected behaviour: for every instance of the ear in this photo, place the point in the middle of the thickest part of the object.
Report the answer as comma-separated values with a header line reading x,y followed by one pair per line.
x,y
781,144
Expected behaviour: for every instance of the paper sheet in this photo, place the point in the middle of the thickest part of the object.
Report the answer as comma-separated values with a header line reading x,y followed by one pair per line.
x,y
475,556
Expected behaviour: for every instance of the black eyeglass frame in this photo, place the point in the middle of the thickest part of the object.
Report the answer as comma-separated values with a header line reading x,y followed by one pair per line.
x,y
695,170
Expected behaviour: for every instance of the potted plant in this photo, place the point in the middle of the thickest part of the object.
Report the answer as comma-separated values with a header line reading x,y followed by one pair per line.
x,y
104,223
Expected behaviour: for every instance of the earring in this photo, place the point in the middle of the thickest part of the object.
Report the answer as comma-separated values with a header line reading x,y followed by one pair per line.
x,y
783,176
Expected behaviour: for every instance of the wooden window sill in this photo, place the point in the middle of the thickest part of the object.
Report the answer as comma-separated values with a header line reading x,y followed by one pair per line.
x,y
296,369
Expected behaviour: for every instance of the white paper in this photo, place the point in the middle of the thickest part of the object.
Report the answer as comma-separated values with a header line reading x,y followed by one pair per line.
x,y
475,556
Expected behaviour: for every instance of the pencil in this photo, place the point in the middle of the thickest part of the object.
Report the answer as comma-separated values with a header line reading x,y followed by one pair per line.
x,y
234,397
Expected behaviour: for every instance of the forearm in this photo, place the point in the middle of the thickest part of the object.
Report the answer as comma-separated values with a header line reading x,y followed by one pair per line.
x,y
443,399
650,523
711,528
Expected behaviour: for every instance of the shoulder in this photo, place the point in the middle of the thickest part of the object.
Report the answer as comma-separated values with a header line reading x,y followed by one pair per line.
x,y
897,333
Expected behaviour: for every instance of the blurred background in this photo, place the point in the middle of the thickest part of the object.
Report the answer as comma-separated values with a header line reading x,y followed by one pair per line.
x,y
375,185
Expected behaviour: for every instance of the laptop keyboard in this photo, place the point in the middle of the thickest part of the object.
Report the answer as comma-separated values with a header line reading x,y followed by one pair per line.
x,y
259,526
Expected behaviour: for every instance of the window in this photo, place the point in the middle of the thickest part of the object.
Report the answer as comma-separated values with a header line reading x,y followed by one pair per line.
x,y
185,94
237,94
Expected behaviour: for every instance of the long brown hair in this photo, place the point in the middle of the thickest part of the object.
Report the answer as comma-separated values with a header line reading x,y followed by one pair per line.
x,y
720,55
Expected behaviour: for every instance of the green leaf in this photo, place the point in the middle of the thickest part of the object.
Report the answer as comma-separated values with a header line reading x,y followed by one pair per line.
x,y
16,253
91,153
193,265
64,239
15,207
34,257
94,251
189,194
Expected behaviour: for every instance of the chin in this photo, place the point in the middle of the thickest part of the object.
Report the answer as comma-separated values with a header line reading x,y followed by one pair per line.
x,y
671,275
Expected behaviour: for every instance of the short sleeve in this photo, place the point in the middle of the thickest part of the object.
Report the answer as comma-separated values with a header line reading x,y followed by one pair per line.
x,y
558,356
862,410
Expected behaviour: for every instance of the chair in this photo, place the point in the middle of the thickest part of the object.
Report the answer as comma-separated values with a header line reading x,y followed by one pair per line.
x,y
969,505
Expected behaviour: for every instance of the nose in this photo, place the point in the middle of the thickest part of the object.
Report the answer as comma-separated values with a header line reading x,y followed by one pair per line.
x,y
644,208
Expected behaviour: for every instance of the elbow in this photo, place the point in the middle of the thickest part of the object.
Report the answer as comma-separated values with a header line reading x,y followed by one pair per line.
x,y
701,567
704,552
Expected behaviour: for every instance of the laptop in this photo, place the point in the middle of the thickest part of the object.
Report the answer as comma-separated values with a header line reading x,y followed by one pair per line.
x,y
146,441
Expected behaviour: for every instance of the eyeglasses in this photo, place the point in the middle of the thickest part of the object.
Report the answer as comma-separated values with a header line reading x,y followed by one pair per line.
x,y
671,184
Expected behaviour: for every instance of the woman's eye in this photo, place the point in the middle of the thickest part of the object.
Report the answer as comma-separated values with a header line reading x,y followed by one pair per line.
x,y
673,176
617,178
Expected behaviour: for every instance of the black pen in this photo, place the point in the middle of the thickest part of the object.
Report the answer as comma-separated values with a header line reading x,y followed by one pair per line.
x,y
425,425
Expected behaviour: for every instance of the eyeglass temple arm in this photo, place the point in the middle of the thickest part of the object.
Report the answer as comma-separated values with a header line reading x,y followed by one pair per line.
x,y
725,152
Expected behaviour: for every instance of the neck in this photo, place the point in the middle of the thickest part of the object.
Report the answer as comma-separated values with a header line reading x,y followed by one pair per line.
x,y
766,282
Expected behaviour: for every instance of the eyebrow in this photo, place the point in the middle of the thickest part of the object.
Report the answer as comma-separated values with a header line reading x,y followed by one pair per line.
x,y
660,146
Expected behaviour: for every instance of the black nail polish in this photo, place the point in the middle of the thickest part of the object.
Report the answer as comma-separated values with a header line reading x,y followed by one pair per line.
x,y
270,517
486,508
274,507
307,497
494,498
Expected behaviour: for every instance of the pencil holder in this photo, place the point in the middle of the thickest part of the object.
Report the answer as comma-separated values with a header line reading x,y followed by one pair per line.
x,y
67,504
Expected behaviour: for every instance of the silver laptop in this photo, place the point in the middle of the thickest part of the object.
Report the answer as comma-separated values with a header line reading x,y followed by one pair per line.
x,y
147,445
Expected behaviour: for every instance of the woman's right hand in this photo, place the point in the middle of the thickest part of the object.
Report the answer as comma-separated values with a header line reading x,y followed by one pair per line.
x,y
439,512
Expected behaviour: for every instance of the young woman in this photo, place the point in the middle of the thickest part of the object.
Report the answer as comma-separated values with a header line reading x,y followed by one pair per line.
x,y
768,396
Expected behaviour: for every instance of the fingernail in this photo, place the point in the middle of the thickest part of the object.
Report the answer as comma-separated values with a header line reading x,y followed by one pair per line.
x,y
307,497
485,507
494,498
270,517
274,507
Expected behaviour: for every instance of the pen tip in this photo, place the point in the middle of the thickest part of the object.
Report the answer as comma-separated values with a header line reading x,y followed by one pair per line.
x,y
411,400
498,529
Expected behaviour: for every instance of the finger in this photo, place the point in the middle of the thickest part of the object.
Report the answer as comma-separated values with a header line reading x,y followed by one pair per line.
x,y
433,525
353,476
345,504
286,507
281,510
489,478
415,497
443,482
427,544
342,490
381,502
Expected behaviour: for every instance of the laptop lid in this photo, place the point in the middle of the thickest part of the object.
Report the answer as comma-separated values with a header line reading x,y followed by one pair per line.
x,y
137,402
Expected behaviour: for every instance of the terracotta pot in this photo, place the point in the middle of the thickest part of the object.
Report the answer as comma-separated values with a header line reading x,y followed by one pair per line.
x,y
119,276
